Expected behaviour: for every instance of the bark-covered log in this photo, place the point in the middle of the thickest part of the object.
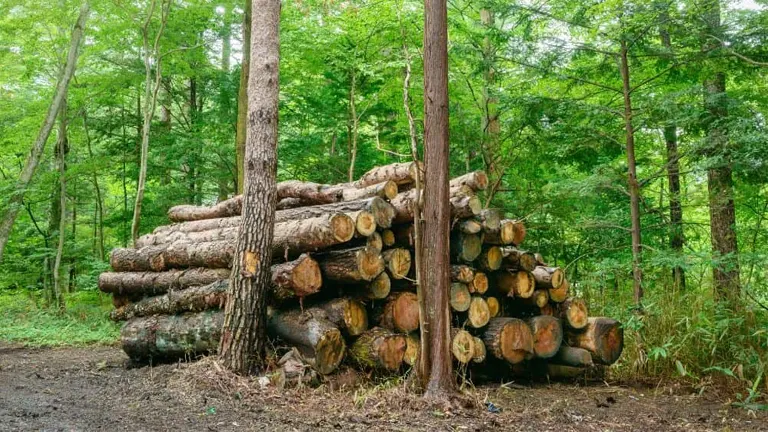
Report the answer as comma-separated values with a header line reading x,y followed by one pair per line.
x,y
564,372
462,273
376,289
298,278
476,180
478,313
400,312
572,356
460,298
400,173
462,345
479,350
602,337
462,206
514,284
479,284
195,299
349,315
573,312
539,259
516,259
386,190
351,265
509,339
489,259
559,294
308,192
226,208
398,262
379,348
382,211
505,235
491,219
388,238
412,349
119,301
151,283
466,247
548,277
547,335
172,336
312,333
494,307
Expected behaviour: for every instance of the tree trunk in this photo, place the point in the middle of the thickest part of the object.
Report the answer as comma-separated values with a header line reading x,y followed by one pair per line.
x,y
243,333
62,149
311,332
602,337
171,336
242,99
195,299
547,335
509,339
62,86
100,251
378,348
400,312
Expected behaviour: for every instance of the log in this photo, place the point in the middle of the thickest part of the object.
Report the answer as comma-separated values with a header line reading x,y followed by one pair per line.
x,y
462,206
386,190
374,242
398,262
172,336
308,192
572,356
461,190
547,335
226,208
508,339
378,348
479,350
382,211
289,203
460,297
462,273
491,219
351,265
547,310
476,180
195,299
539,299
400,312
462,345
349,315
559,294
298,278
489,259
412,349
602,337
365,222
376,289
516,259
505,235
479,284
548,277
466,247
150,283
520,232
316,337
514,284
494,307
388,238
400,173
479,313
573,312
470,226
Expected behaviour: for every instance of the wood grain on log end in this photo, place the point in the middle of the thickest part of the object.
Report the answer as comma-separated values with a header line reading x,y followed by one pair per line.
x,y
479,313
547,335
460,297
479,350
398,262
494,307
462,345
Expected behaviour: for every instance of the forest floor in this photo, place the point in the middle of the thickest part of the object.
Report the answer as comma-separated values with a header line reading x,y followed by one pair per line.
x,y
91,388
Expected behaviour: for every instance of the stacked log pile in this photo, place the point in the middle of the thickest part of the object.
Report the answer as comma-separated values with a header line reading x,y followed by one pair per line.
x,y
343,286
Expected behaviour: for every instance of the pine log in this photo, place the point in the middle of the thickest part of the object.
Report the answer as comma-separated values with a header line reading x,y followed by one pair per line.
x,y
494,307
388,238
376,289
602,337
195,299
461,190
412,349
470,226
462,206
289,203
316,337
547,335
573,312
386,190
466,247
520,232
462,345
298,278
559,294
398,262
351,265
400,312
379,348
349,315
509,339
514,284
505,235
476,180
400,173
478,313
382,211
516,259
308,192
460,298
365,222
151,283
479,284
172,336
462,273
548,277
226,208
479,352
539,299
374,242
489,259
119,301
491,219
572,356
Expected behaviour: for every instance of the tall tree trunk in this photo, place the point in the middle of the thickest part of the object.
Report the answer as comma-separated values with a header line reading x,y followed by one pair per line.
x,y
490,121
722,211
353,124
435,368
151,55
634,187
224,100
242,98
62,86
243,334
99,222
62,148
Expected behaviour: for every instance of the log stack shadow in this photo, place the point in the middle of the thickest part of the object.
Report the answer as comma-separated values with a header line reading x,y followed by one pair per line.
x,y
343,289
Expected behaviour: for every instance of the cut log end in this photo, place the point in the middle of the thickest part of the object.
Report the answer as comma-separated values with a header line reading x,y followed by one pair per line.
x,y
462,273
365,223
398,262
388,237
509,339
355,318
329,352
519,234
560,294
389,190
401,312
548,277
306,276
412,350
602,337
462,346
379,348
479,350
574,312
479,283
494,307
479,313
466,247
379,288
507,231
490,258
460,297
540,298
343,227
547,335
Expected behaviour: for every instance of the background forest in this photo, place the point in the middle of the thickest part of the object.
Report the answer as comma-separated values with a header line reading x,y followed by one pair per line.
x,y
558,101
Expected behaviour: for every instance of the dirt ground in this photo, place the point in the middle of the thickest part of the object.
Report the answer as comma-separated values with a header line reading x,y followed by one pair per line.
x,y
92,389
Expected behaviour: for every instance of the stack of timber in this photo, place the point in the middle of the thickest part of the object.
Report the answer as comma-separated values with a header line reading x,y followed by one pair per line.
x,y
343,289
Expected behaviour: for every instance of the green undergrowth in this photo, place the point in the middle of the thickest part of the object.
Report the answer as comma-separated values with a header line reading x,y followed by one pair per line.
x,y
25,319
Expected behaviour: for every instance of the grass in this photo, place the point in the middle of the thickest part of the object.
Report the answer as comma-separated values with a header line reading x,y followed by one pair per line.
x,y
25,319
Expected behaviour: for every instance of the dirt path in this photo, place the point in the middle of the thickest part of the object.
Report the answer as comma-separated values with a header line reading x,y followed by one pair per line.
x,y
91,389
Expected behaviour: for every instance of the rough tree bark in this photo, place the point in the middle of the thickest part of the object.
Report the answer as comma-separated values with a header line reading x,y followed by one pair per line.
x,y
62,86
435,368
244,332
